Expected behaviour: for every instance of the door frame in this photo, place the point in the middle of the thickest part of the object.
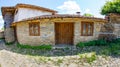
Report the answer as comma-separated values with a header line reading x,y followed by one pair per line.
x,y
73,31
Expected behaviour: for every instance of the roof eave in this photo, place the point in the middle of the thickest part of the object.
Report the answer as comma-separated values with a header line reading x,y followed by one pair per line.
x,y
98,20
7,9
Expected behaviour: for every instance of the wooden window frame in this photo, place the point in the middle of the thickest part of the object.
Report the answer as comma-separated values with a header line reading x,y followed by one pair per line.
x,y
32,24
91,30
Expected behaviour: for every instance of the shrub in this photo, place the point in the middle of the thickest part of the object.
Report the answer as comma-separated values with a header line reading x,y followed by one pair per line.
x,y
100,42
90,43
113,48
42,47
81,44
117,52
115,40
2,38
105,51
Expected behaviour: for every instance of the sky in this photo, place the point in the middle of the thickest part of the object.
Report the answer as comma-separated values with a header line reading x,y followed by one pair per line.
x,y
62,6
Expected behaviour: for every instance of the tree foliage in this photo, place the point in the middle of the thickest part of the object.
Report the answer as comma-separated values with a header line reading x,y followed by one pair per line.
x,y
111,7
88,15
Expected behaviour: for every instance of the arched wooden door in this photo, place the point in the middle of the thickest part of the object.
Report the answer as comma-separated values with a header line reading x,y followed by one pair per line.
x,y
64,33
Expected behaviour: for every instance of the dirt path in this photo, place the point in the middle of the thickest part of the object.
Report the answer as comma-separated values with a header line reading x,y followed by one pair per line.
x,y
10,59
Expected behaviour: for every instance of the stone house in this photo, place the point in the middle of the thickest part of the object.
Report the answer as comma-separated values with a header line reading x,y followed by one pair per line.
x,y
35,25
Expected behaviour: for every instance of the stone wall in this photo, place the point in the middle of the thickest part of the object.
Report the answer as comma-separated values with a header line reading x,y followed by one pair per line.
x,y
116,23
46,34
117,30
8,19
78,38
2,34
8,32
9,35
107,32
111,29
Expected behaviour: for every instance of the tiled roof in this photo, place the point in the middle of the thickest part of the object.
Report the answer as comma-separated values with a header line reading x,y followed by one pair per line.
x,y
61,16
34,7
12,8
7,9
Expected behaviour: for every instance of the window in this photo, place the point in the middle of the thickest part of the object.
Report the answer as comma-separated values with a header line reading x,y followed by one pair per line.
x,y
87,28
34,29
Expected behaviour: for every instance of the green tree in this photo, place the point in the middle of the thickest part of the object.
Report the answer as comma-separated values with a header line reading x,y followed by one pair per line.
x,y
88,15
111,7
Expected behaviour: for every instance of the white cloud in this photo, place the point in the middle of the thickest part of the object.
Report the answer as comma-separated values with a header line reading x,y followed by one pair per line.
x,y
1,22
108,0
87,11
99,15
1,17
95,14
69,7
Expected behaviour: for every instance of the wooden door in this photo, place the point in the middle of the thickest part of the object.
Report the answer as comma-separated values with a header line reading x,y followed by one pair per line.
x,y
64,33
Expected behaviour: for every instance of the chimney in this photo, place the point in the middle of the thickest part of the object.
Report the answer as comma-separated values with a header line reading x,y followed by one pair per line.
x,y
78,13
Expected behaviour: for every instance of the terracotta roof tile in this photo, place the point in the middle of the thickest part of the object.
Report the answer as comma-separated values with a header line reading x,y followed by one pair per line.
x,y
59,16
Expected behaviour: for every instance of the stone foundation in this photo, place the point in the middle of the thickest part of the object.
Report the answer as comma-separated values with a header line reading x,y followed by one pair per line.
x,y
9,35
2,35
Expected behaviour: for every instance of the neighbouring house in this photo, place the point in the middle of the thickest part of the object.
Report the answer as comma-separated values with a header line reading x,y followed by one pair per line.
x,y
35,25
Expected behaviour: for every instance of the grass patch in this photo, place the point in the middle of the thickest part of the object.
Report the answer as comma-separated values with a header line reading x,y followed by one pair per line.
x,y
40,59
113,48
58,62
9,43
2,38
100,42
40,47
45,60
88,57
110,48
